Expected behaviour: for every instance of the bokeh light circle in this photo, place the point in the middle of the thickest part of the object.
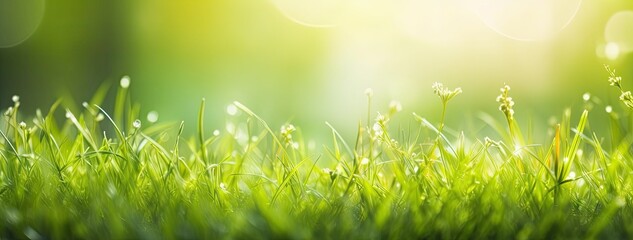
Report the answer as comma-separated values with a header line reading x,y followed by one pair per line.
x,y
527,20
313,13
619,31
18,20
612,51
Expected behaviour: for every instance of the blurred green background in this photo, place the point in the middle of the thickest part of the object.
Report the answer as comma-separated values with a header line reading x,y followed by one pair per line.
x,y
308,61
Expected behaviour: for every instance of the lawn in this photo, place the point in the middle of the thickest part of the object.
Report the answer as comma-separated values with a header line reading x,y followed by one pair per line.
x,y
113,174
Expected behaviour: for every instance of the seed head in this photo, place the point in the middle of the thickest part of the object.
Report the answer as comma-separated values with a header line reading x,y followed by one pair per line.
x,y
395,106
627,98
505,102
99,117
23,125
287,130
9,111
613,79
377,129
444,93
369,92
286,134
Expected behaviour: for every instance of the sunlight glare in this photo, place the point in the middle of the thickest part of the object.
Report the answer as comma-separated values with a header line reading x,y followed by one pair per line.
x,y
612,51
618,34
312,13
527,20
19,20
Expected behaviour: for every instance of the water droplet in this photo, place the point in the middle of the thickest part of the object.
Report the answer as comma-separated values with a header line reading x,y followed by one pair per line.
x,y
125,81
586,97
136,123
231,109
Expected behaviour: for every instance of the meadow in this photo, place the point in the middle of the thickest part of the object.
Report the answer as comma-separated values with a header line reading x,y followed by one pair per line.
x,y
114,174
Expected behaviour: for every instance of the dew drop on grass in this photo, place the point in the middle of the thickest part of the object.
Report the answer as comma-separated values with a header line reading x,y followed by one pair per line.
x,y
152,116
125,81
136,124
231,109
216,132
365,161
608,109
586,97
15,98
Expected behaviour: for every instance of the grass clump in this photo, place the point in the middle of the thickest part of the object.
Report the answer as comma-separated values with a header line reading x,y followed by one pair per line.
x,y
96,176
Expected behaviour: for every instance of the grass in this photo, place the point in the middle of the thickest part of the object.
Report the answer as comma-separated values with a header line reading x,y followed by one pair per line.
x,y
97,176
